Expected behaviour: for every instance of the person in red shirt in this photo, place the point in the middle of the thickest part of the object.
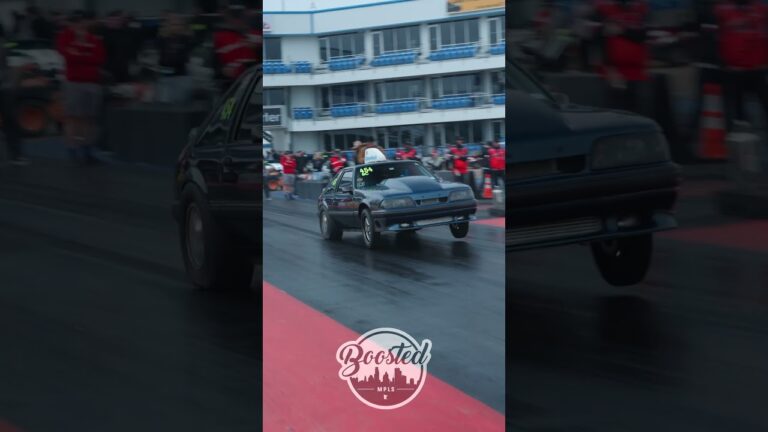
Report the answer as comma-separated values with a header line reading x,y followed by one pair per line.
x,y
742,41
289,174
626,51
235,51
406,153
460,156
497,162
84,57
337,162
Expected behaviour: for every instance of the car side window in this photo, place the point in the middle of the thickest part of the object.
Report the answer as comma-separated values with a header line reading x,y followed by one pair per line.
x,y
217,131
346,179
250,122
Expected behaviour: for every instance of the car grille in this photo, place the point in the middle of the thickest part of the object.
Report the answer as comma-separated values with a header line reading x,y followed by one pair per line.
x,y
553,231
564,165
431,201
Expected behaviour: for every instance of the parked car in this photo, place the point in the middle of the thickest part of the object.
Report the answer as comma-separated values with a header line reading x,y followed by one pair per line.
x,y
218,190
585,175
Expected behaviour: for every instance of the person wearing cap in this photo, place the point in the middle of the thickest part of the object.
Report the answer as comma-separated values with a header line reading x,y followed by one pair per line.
x,y
84,56
235,51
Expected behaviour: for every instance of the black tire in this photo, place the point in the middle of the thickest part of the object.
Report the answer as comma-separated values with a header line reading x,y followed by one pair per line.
x,y
329,228
211,259
459,230
371,237
624,261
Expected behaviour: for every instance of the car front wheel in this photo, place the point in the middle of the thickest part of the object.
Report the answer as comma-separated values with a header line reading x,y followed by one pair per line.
x,y
623,261
210,257
370,236
460,230
329,228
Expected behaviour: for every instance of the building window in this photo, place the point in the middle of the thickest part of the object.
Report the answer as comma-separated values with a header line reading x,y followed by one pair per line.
x,y
344,139
274,96
497,25
400,89
466,84
497,82
343,45
470,131
397,136
397,39
453,33
273,49
342,94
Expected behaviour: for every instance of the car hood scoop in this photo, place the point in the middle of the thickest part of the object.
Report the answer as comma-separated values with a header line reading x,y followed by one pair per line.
x,y
416,184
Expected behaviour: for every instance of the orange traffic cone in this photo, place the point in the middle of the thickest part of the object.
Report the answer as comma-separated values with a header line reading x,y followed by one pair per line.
x,y
487,189
712,130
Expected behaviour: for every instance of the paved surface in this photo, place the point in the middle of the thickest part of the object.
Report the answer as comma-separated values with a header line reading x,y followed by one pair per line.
x,y
686,350
99,329
436,287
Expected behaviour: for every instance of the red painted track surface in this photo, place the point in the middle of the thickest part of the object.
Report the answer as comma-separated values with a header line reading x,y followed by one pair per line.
x,y
750,235
495,222
302,391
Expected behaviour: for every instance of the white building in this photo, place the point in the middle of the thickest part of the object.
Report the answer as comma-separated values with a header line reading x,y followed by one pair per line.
x,y
423,71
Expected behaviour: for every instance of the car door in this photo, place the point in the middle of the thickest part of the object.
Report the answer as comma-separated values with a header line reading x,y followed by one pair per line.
x,y
209,151
345,200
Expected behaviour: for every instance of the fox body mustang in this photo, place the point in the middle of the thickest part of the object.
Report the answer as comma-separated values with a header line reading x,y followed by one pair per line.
x,y
584,175
398,196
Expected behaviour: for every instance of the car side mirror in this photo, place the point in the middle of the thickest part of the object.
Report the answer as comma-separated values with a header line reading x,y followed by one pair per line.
x,y
561,98
345,189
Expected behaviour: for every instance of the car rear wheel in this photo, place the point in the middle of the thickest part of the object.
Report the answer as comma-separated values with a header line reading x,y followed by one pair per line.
x,y
329,228
460,230
370,236
211,258
624,261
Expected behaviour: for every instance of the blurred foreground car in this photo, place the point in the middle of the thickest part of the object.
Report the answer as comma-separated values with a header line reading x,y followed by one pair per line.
x,y
395,196
585,175
218,190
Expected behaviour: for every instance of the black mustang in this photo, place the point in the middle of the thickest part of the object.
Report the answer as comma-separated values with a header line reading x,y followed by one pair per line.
x,y
584,175
398,196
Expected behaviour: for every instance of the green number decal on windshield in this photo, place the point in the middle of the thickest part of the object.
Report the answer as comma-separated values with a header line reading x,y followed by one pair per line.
x,y
229,106
364,171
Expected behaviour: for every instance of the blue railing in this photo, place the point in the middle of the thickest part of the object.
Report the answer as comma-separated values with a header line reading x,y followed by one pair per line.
x,y
395,58
347,110
346,63
454,101
302,67
454,52
498,49
276,67
499,99
303,113
397,106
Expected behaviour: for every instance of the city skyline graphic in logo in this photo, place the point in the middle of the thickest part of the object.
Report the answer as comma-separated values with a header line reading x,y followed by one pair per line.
x,y
385,368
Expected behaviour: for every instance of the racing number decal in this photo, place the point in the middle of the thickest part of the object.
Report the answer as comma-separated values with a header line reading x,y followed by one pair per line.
x,y
364,171
229,106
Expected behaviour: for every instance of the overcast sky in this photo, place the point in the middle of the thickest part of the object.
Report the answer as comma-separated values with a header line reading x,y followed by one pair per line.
x,y
294,5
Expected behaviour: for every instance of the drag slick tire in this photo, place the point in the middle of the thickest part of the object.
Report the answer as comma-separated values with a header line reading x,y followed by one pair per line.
x,y
328,227
459,230
623,261
371,237
211,258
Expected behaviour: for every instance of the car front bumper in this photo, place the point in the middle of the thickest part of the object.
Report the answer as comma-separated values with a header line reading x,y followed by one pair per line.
x,y
598,206
414,219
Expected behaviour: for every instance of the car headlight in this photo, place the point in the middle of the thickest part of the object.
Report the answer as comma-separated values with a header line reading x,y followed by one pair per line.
x,y
625,150
459,195
397,203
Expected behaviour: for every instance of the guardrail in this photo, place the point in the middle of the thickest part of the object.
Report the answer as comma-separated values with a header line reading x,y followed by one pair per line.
x,y
354,109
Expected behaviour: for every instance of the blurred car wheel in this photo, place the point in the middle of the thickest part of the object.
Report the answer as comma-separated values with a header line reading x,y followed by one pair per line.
x,y
370,236
210,258
329,228
623,261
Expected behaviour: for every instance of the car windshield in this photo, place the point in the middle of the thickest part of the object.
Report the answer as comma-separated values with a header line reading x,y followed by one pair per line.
x,y
369,176
519,80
